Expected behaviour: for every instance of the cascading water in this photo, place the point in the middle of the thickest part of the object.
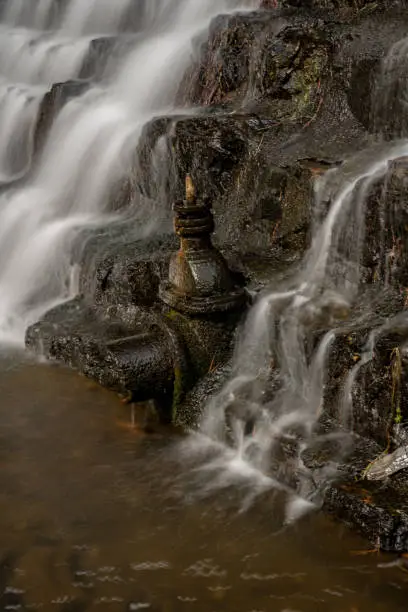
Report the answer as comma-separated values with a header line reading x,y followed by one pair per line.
x,y
89,148
101,16
257,430
32,58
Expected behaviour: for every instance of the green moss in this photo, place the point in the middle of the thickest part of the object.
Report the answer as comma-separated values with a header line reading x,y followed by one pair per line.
x,y
306,81
172,314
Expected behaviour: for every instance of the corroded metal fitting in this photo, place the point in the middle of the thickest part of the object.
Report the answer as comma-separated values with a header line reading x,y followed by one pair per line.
x,y
200,281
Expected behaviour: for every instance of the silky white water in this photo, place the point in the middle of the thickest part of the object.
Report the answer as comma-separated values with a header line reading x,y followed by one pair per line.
x,y
33,57
73,16
89,148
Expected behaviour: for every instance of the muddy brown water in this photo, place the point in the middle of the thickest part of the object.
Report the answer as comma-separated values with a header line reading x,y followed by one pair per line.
x,y
94,516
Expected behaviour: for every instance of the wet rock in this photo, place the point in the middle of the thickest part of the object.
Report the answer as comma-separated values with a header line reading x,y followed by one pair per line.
x,y
390,93
378,392
374,407
384,256
372,343
348,6
376,78
54,100
103,56
191,410
380,515
276,119
118,355
284,64
118,269
265,65
388,465
379,511
261,193
145,354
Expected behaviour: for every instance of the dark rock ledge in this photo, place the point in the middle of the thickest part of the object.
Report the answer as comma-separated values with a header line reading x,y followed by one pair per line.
x,y
281,95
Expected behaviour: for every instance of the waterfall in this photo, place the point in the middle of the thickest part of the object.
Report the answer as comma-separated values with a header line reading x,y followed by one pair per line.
x,y
246,429
259,428
43,42
93,16
90,146
72,16
31,60
256,438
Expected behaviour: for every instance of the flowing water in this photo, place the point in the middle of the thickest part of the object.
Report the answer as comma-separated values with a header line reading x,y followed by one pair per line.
x,y
257,439
92,141
32,58
258,429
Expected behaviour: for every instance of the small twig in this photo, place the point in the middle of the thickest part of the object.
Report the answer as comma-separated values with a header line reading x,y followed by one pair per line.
x,y
315,115
259,145
275,231
212,365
